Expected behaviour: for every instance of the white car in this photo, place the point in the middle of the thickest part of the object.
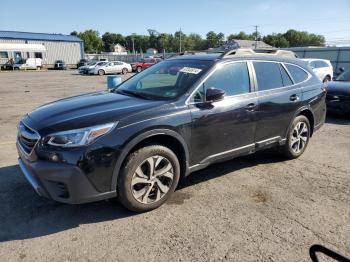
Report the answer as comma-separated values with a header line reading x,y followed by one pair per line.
x,y
30,63
112,68
90,67
322,68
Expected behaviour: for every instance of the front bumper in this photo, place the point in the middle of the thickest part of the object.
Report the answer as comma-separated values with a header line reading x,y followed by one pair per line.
x,y
61,182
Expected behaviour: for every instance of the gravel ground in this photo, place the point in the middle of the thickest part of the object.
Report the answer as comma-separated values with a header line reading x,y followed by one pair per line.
x,y
254,208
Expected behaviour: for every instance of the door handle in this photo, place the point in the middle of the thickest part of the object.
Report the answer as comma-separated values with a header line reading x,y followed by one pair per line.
x,y
250,107
294,98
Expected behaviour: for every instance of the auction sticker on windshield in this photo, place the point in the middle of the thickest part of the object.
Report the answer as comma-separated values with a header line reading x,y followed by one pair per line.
x,y
190,70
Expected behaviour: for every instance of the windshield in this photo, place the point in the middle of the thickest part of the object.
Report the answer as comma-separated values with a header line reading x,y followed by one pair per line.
x,y
345,76
165,80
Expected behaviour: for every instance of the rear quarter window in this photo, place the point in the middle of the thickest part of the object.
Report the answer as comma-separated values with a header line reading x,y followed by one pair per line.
x,y
298,74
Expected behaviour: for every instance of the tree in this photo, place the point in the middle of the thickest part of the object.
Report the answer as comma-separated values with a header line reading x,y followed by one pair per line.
x,y
276,40
111,39
241,36
92,40
302,38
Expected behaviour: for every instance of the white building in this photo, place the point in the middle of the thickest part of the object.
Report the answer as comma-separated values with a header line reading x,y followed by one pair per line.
x,y
49,47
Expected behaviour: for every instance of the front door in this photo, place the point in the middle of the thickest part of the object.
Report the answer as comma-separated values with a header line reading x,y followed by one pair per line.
x,y
227,127
17,57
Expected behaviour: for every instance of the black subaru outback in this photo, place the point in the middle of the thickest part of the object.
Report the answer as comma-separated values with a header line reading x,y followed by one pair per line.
x,y
136,141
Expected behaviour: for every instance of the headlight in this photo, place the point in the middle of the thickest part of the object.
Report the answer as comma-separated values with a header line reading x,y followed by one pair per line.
x,y
78,137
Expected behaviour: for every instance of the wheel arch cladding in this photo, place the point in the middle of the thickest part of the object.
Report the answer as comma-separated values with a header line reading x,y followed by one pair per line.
x,y
167,138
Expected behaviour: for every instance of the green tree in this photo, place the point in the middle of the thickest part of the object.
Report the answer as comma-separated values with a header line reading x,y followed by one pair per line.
x,y
276,40
92,41
240,36
302,38
111,39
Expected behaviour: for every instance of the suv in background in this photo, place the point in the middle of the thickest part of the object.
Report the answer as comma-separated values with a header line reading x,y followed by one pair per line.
x,y
82,62
322,68
60,65
145,63
181,115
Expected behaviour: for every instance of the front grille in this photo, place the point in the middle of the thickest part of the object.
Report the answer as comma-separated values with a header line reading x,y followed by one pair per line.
x,y
27,137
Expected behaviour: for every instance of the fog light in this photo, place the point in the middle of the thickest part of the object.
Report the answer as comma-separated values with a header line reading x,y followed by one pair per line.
x,y
54,158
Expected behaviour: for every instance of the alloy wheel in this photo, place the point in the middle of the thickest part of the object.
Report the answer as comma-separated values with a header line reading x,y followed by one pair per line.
x,y
152,179
299,137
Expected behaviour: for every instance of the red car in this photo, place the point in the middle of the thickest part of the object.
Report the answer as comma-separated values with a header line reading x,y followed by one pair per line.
x,y
145,63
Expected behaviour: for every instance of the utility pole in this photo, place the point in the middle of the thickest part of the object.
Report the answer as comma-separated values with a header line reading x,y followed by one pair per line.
x,y
256,36
180,39
133,43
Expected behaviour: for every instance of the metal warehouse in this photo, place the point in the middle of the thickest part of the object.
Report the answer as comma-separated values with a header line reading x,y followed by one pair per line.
x,y
48,47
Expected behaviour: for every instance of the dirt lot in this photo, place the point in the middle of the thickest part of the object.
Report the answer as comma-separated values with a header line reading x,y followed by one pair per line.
x,y
255,208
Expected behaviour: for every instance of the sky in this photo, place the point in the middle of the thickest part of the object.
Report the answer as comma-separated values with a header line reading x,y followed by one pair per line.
x,y
329,18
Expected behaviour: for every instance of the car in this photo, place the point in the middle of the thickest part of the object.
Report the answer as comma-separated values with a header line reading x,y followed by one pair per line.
x,y
322,68
23,64
338,94
137,140
90,67
112,67
60,65
144,63
82,62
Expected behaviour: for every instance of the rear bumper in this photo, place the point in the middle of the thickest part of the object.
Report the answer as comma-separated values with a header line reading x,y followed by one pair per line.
x,y
61,182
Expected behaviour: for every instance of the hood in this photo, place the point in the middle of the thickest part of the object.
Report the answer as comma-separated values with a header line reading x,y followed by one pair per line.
x,y
86,110
338,87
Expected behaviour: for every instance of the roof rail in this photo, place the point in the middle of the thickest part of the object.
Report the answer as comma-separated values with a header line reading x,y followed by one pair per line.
x,y
249,51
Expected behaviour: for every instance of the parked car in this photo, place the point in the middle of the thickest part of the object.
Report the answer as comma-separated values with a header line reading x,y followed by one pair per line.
x,y
178,116
144,63
60,65
322,68
90,67
30,63
113,67
82,62
338,94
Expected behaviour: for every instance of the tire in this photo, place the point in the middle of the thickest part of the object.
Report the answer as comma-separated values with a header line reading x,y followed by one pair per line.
x,y
326,79
297,141
38,68
138,190
101,72
139,69
124,71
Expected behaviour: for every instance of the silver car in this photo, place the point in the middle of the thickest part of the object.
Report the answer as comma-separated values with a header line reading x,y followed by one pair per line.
x,y
113,67
90,67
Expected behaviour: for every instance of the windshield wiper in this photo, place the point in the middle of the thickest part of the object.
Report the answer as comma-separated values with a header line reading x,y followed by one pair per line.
x,y
133,93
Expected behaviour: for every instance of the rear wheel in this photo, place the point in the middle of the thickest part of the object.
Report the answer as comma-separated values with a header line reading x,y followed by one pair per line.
x,y
298,138
148,178
139,69
124,71
101,72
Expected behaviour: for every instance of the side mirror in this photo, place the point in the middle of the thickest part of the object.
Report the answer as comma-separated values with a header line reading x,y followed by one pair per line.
x,y
214,94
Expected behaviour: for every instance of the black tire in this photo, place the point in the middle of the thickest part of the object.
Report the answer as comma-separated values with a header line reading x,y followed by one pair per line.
x,y
124,71
38,68
326,79
292,149
138,69
125,189
101,72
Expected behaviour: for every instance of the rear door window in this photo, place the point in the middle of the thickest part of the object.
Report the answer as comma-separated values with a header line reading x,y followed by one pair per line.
x,y
298,74
285,77
268,75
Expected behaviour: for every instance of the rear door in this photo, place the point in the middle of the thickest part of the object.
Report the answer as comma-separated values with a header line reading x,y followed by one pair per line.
x,y
278,100
226,127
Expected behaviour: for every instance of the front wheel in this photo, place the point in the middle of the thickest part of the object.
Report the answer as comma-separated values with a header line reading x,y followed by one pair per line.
x,y
148,178
138,69
101,72
124,71
298,138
